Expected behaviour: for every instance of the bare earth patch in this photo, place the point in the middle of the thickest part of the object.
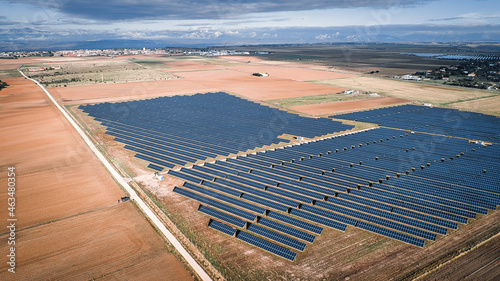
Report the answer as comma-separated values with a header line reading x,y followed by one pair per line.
x,y
112,243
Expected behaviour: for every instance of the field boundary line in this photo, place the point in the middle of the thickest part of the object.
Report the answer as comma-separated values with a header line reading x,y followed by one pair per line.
x,y
133,195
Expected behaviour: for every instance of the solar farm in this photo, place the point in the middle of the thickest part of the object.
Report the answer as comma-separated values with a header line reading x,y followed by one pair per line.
x,y
277,180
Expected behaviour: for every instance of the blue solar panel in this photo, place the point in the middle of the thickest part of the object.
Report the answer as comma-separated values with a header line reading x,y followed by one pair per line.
x,y
268,246
167,128
222,216
222,197
221,188
370,218
318,219
216,204
328,214
153,160
222,227
280,238
264,202
287,229
295,222
155,167
391,234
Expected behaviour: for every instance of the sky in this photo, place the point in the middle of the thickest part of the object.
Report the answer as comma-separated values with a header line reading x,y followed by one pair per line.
x,y
60,24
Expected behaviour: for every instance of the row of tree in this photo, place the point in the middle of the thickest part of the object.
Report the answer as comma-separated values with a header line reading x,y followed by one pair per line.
x,y
468,83
3,85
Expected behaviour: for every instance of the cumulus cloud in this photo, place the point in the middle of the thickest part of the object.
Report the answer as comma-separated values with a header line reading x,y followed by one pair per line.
x,y
327,36
199,9
20,37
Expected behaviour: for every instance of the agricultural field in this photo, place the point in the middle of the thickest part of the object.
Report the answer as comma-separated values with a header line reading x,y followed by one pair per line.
x,y
68,74
71,224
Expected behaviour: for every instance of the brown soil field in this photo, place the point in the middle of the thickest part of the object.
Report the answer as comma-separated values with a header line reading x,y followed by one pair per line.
x,y
69,223
481,263
15,63
110,243
18,86
292,73
352,105
258,88
128,91
407,90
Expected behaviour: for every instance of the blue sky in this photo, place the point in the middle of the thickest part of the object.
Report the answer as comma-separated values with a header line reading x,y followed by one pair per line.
x,y
229,22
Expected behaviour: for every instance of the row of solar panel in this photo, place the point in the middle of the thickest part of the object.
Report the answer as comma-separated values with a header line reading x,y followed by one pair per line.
x,y
348,212
211,127
292,188
476,200
305,179
283,228
437,120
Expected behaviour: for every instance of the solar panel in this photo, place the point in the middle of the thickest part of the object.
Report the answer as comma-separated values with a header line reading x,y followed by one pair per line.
x,y
287,229
222,216
228,199
222,227
216,204
280,238
328,214
318,219
268,246
391,234
295,222
264,202
155,167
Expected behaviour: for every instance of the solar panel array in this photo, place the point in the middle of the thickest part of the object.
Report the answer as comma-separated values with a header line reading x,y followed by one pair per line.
x,y
171,131
411,187
442,121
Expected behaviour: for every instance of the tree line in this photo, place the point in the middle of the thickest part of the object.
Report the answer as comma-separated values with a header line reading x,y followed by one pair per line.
x,y
3,85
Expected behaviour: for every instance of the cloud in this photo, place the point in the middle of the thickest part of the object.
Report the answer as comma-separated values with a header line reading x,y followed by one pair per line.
x,y
199,9
5,21
37,37
471,17
327,36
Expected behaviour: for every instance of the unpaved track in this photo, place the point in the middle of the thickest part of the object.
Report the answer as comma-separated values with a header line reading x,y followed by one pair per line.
x,y
133,195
